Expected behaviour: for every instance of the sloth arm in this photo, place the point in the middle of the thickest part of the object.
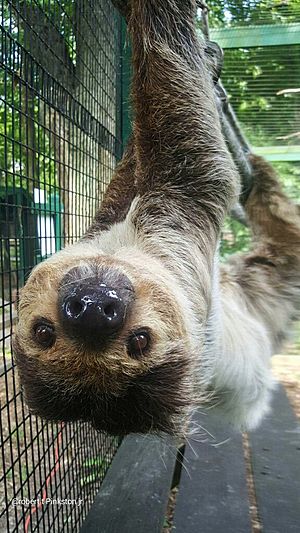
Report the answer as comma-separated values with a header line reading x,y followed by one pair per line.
x,y
179,169
178,164
184,171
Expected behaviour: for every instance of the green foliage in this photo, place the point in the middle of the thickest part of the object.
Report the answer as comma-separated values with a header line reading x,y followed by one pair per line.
x,y
96,470
26,158
253,77
290,177
256,12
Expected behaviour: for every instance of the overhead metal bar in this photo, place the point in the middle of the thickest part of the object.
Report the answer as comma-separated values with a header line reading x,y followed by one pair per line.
x,y
253,36
278,153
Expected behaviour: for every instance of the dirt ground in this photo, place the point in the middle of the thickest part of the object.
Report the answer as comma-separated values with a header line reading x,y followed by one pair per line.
x,y
286,369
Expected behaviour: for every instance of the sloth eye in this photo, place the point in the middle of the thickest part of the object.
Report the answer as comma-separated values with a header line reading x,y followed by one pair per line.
x,y
138,343
44,334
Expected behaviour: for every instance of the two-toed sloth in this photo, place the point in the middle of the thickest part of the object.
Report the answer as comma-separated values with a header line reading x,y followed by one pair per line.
x,y
138,323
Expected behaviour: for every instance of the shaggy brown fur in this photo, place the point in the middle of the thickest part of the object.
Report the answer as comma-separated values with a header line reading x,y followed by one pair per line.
x,y
210,330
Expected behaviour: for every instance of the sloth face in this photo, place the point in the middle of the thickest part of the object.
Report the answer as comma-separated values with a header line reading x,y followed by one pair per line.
x,y
102,339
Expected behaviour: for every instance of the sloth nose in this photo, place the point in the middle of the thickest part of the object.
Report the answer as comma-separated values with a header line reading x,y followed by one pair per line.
x,y
93,312
102,311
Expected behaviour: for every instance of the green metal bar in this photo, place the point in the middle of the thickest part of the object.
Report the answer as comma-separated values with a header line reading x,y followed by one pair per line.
x,y
119,89
252,36
126,84
278,153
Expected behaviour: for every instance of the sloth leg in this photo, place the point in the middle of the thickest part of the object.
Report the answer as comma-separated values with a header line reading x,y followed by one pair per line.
x,y
119,194
185,175
274,219
269,275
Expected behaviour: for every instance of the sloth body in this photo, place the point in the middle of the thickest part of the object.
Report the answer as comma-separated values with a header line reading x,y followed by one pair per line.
x,y
179,330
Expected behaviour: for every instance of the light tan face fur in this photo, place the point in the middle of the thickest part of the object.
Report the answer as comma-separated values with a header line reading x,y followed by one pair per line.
x,y
76,374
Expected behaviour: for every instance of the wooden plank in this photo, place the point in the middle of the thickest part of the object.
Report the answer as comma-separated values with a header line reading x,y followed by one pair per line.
x,y
253,36
275,451
135,491
213,495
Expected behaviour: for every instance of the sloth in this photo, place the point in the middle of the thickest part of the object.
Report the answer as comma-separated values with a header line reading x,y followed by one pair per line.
x,y
138,324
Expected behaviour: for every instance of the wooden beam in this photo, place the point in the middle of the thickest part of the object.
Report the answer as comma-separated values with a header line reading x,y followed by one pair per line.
x,y
213,495
275,450
135,491
253,36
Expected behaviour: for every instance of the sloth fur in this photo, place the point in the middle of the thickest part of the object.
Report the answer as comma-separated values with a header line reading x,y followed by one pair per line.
x,y
211,327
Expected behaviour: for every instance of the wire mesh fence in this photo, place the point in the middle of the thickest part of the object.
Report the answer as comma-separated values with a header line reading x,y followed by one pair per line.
x,y
261,74
231,13
61,108
262,83
60,137
261,66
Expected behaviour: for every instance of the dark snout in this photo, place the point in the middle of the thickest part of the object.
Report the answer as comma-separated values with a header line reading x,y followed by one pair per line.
x,y
93,308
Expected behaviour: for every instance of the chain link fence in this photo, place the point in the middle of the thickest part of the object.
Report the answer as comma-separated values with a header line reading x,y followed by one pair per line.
x,y
60,138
